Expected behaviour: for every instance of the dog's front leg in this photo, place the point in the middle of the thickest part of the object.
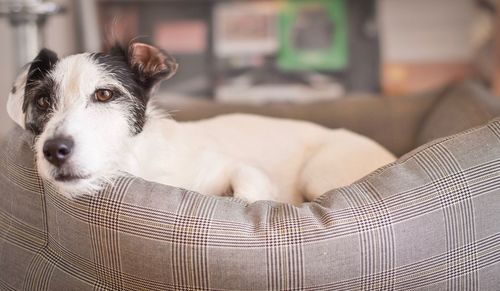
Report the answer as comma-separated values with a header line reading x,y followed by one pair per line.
x,y
251,184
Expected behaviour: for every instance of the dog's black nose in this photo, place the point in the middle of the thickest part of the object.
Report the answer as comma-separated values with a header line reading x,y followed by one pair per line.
x,y
58,150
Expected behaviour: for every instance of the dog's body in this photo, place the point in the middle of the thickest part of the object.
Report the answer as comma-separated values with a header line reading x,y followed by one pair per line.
x,y
256,158
94,120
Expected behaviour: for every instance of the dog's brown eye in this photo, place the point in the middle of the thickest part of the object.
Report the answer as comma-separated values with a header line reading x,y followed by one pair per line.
x,y
103,95
43,103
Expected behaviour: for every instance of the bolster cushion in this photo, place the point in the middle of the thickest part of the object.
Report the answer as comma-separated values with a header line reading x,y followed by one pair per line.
x,y
428,221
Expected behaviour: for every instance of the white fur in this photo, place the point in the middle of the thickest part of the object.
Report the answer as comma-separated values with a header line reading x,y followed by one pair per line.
x,y
15,100
260,158
255,157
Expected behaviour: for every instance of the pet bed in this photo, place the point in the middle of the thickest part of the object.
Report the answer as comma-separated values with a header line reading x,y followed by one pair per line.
x,y
428,221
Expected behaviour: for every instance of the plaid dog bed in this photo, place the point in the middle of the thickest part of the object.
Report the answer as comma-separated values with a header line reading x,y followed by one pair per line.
x,y
429,221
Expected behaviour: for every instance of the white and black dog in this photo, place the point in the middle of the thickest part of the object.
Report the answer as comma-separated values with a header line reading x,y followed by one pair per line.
x,y
94,120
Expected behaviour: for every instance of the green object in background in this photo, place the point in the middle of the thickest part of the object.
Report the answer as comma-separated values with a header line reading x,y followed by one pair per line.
x,y
313,35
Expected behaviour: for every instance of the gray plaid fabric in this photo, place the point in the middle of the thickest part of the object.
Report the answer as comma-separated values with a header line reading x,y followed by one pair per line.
x,y
430,221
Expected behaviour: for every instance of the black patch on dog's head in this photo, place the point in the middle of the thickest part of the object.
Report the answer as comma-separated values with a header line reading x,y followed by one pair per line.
x,y
135,68
38,84
116,64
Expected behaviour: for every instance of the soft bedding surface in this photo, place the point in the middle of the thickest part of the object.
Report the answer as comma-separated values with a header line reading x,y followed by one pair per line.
x,y
429,221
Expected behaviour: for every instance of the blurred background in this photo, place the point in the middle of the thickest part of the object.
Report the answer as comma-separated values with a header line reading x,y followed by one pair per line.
x,y
262,52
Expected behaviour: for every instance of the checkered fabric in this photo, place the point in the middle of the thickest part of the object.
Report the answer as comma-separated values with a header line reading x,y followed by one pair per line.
x,y
430,221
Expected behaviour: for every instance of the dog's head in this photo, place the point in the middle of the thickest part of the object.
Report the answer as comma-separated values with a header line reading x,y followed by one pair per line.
x,y
85,109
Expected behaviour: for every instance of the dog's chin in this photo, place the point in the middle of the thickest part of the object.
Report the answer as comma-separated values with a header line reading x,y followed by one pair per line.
x,y
73,187
71,178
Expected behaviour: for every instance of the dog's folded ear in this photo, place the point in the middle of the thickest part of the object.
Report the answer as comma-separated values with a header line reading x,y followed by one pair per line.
x,y
151,64
18,102
16,99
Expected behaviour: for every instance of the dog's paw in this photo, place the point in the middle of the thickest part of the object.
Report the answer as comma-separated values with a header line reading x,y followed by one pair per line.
x,y
251,184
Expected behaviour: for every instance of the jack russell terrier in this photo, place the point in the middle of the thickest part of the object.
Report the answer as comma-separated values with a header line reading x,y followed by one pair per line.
x,y
93,120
